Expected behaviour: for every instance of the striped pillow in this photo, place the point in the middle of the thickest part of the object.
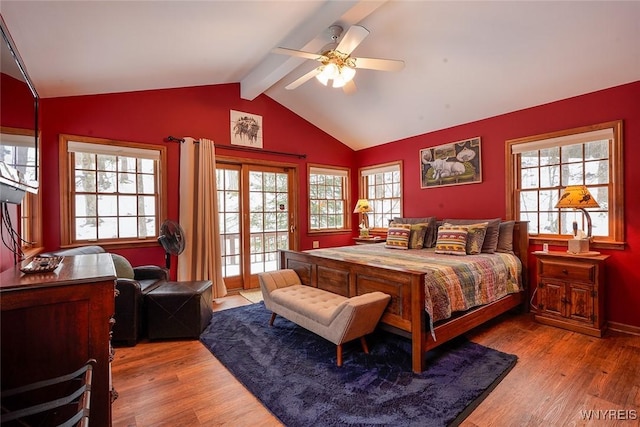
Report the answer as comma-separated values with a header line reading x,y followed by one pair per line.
x,y
475,236
491,237
452,240
398,236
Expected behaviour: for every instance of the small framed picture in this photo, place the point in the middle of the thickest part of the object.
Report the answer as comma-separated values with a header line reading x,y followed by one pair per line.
x,y
246,129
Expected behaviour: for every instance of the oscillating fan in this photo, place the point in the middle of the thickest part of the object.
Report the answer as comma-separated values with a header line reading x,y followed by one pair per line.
x,y
172,240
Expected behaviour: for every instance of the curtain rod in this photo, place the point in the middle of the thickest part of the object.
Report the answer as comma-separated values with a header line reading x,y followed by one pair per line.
x,y
240,148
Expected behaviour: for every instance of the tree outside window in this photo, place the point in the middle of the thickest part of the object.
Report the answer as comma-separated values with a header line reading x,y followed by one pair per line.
x,y
328,198
382,186
546,164
114,191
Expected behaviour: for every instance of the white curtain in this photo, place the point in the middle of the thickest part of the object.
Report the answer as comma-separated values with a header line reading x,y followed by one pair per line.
x,y
201,259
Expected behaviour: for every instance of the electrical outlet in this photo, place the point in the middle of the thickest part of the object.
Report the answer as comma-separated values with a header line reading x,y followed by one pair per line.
x,y
316,244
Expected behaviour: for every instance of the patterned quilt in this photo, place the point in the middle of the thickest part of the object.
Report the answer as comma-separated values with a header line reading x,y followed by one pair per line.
x,y
452,283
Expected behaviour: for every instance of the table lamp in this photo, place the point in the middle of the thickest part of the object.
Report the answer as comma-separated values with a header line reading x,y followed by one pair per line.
x,y
578,197
362,207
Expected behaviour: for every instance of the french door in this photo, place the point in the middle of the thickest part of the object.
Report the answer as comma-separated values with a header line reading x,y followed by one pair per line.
x,y
256,207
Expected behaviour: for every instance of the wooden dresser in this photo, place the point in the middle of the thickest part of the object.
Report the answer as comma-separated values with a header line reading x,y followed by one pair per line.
x,y
570,292
53,323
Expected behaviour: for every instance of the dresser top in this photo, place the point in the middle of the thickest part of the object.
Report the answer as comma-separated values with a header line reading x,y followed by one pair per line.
x,y
72,270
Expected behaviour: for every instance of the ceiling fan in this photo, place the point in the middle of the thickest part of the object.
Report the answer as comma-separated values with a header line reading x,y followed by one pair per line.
x,y
337,63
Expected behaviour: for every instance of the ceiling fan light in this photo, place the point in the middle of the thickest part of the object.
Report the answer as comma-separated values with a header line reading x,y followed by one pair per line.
x,y
345,76
348,73
332,70
328,72
322,78
339,81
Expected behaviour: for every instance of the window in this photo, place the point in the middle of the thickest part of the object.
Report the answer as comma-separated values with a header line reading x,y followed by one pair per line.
x,y
544,165
17,150
382,186
113,191
328,198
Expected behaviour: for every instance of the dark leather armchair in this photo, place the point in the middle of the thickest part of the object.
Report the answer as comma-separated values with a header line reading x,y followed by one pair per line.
x,y
130,324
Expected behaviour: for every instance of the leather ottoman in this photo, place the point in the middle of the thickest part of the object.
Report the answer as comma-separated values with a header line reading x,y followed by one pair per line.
x,y
178,309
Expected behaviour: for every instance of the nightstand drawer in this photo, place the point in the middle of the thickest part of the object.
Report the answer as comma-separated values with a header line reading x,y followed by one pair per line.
x,y
568,271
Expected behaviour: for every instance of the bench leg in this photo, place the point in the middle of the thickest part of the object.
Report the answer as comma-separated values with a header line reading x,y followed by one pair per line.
x,y
273,317
365,348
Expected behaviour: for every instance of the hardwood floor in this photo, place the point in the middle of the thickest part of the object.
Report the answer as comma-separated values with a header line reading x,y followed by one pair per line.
x,y
559,375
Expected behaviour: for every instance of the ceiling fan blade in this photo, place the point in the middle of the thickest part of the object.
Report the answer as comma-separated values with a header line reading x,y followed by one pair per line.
x,y
349,88
353,37
311,74
299,53
379,64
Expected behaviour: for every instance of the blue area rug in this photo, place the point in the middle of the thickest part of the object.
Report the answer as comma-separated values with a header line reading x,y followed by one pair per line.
x,y
294,373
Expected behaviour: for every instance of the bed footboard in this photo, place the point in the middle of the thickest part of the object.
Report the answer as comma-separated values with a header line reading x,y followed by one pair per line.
x,y
405,313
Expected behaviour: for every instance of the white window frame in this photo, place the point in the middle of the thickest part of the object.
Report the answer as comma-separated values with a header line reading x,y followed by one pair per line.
x,y
611,131
337,173
69,146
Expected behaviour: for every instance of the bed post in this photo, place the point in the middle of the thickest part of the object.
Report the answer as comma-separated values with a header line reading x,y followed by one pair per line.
x,y
418,324
521,249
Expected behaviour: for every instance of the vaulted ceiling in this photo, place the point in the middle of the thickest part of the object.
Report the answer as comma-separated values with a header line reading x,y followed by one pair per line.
x,y
465,61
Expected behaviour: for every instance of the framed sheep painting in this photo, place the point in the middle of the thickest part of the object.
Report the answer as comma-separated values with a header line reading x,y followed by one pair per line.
x,y
451,164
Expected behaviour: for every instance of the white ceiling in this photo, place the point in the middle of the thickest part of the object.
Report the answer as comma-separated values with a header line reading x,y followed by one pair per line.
x,y
465,61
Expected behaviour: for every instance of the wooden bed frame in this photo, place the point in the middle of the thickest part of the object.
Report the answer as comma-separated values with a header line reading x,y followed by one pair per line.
x,y
405,314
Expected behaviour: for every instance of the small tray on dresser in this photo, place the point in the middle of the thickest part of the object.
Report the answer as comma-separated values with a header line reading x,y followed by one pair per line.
x,y
42,264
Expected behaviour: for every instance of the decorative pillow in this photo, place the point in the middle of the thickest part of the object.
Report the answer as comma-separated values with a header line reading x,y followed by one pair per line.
x,y
452,240
123,267
505,237
490,243
416,238
402,220
432,232
475,238
398,236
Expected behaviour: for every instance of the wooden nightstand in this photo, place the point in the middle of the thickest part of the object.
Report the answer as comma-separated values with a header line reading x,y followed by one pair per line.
x,y
570,292
367,240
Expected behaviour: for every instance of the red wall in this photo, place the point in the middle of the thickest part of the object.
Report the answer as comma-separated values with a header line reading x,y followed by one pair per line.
x,y
151,116
487,199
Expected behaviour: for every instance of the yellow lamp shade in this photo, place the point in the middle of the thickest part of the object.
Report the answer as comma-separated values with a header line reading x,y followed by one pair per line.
x,y
362,206
576,197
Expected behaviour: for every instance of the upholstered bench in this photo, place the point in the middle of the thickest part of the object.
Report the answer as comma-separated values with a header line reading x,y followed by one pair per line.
x,y
334,317
178,309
